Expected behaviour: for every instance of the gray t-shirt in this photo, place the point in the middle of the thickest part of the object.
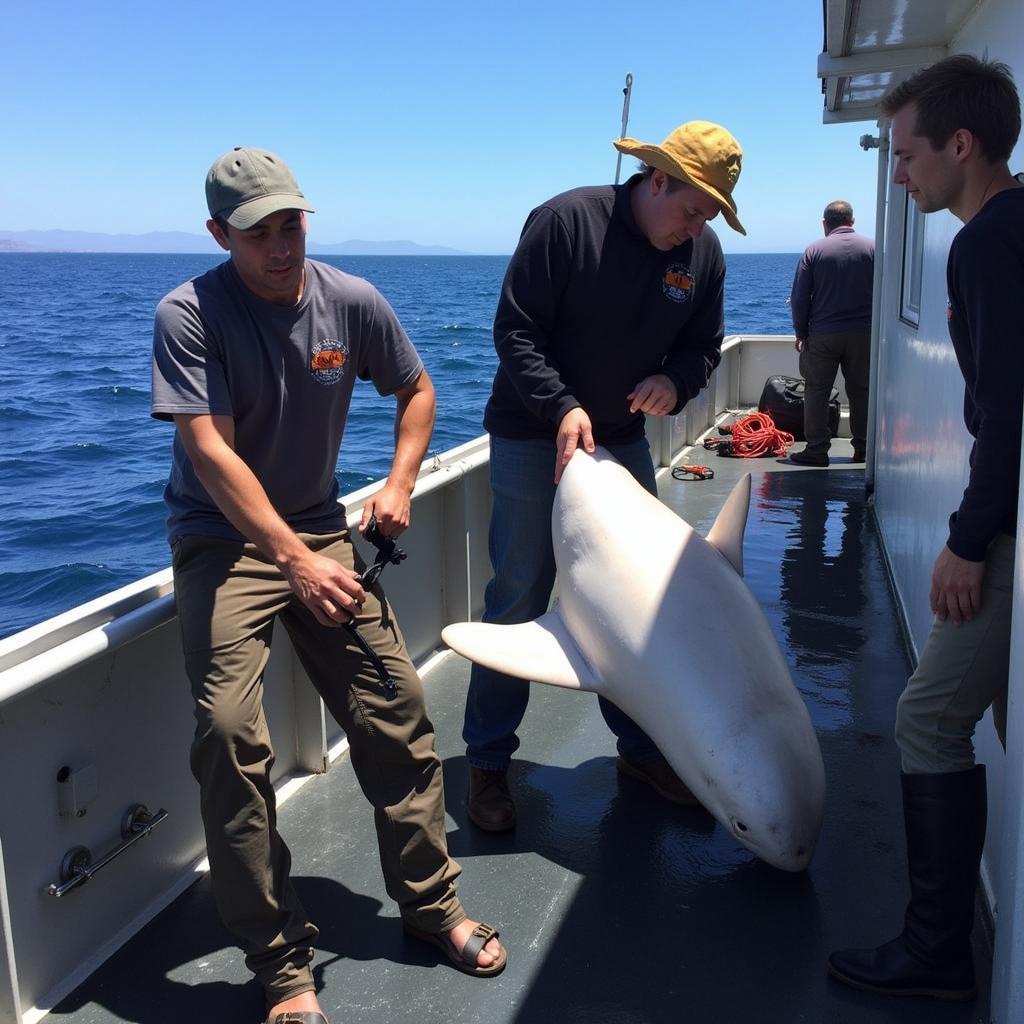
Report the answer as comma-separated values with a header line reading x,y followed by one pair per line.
x,y
284,374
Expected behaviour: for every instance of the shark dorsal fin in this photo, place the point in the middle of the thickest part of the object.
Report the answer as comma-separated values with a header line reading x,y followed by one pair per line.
x,y
727,532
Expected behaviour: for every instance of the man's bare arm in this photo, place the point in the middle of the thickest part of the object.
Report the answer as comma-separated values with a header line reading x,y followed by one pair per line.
x,y
414,424
330,591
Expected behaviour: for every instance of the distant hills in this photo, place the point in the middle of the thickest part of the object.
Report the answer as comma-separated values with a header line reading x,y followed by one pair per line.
x,y
183,241
361,247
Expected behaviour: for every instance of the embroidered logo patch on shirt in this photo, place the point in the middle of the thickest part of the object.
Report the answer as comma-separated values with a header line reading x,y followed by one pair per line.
x,y
677,283
327,363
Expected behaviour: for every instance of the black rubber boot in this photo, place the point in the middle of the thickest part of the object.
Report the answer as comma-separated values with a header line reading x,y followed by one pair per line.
x,y
945,818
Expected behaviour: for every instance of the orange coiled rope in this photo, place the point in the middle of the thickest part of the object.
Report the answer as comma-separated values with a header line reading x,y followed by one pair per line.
x,y
752,437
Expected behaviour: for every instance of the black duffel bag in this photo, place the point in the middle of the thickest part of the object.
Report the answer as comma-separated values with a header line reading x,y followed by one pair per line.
x,y
783,400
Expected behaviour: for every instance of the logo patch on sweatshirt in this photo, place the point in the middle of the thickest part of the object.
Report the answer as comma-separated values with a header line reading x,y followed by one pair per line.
x,y
677,283
328,359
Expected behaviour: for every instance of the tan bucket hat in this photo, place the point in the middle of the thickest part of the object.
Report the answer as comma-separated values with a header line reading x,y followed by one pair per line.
x,y
700,153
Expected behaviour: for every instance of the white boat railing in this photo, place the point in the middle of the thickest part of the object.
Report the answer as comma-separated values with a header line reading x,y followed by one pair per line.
x,y
747,362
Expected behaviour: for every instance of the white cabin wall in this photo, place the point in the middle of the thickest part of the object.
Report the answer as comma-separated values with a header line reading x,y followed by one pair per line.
x,y
922,445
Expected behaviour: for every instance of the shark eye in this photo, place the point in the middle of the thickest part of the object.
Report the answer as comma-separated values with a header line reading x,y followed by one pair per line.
x,y
741,826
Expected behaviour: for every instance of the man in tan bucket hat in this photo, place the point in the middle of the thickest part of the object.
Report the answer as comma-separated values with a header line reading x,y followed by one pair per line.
x,y
701,154
611,308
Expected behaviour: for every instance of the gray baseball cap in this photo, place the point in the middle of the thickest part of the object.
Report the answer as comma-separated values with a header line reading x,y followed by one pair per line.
x,y
246,185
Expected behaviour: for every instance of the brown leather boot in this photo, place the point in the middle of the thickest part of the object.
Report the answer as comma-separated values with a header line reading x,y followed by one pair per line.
x,y
490,806
661,777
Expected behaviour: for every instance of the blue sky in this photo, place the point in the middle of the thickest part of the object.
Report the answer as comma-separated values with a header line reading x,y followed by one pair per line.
x,y
440,122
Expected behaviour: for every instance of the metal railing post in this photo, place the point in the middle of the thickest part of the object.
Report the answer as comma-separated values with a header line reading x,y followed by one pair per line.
x,y
878,297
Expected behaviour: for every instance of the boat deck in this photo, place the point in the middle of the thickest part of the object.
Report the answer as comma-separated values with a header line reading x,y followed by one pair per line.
x,y
616,907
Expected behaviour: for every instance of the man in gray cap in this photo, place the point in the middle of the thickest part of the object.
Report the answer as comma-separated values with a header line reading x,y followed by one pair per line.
x,y
255,362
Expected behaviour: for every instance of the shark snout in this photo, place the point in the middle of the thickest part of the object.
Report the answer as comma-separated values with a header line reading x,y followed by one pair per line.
x,y
770,844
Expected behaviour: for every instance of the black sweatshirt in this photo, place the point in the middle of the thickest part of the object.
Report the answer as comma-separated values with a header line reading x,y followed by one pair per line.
x,y
589,308
984,275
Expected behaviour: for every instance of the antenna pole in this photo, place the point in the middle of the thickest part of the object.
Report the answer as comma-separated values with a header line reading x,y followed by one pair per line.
x,y
626,92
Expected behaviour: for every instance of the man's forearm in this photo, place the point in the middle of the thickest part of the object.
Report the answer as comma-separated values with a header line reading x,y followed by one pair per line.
x,y
330,591
690,368
990,498
800,313
244,503
523,354
800,297
414,425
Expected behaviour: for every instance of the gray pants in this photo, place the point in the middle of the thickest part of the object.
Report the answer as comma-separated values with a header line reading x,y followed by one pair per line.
x,y
963,671
822,357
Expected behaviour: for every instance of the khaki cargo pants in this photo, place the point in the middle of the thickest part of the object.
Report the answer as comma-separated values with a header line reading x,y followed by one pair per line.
x,y
963,671
228,596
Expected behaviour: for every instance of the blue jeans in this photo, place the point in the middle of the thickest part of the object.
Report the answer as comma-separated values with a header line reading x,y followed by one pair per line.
x,y
522,484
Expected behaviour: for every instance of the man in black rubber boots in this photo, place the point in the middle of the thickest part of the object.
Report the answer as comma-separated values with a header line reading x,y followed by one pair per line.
x,y
954,126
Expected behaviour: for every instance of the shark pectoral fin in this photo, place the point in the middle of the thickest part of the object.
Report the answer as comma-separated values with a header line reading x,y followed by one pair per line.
x,y
541,650
726,535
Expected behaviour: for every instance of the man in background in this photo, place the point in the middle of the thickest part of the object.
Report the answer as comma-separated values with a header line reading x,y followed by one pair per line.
x,y
255,362
611,308
954,126
831,307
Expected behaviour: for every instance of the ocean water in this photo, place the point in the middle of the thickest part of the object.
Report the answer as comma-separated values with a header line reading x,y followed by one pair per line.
x,y
82,464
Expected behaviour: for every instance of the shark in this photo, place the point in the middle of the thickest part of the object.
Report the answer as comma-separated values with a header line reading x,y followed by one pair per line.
x,y
659,620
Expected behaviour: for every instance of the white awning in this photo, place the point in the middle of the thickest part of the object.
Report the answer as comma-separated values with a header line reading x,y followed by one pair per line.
x,y
871,45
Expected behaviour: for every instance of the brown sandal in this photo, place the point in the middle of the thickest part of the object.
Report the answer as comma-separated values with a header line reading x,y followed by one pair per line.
x,y
466,961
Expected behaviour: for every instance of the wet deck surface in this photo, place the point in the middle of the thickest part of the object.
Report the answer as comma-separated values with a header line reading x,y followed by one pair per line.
x,y
616,907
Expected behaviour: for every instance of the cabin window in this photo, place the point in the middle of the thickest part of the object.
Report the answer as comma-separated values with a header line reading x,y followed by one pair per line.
x,y
913,258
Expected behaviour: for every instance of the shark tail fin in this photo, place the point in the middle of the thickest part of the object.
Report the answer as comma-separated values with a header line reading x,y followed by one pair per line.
x,y
541,650
727,532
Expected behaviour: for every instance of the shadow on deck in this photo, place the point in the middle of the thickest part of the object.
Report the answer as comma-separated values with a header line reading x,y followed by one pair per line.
x,y
616,908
